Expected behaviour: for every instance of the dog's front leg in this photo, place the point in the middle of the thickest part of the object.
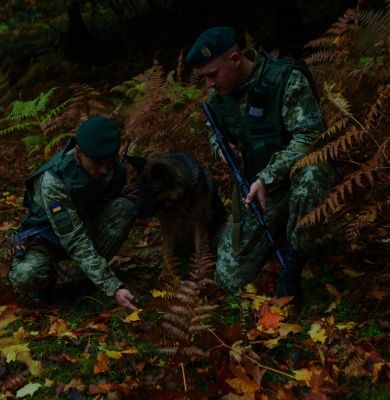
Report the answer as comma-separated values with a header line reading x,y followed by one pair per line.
x,y
200,234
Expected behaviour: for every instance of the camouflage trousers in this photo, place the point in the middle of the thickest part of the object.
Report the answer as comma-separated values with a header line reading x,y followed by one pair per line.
x,y
108,229
285,208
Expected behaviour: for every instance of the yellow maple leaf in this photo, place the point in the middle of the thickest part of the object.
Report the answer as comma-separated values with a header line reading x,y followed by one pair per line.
x,y
258,301
352,273
271,344
48,383
346,326
133,316
28,390
250,288
21,353
117,355
317,333
130,351
303,375
158,293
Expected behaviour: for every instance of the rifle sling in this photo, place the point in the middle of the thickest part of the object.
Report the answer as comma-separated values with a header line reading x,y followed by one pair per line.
x,y
236,231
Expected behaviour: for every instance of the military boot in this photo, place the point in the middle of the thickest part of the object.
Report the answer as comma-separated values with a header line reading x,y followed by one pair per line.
x,y
289,279
46,295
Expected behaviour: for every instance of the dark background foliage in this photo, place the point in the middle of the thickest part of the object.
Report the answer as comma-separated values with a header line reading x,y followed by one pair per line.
x,y
113,40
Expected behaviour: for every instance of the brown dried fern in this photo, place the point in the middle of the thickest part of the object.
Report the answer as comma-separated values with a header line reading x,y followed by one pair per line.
x,y
183,321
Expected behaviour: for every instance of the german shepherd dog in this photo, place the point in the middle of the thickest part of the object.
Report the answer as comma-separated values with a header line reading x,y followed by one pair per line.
x,y
182,194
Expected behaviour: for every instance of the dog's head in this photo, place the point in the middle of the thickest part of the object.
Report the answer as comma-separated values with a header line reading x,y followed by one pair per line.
x,y
157,182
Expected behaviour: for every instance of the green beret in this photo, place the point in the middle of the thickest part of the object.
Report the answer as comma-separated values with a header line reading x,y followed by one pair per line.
x,y
98,138
211,44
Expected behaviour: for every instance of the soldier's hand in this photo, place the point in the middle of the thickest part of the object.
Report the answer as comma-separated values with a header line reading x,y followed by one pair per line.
x,y
125,299
257,190
222,157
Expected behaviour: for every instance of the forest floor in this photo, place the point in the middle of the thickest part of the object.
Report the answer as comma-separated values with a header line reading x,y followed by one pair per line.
x,y
250,347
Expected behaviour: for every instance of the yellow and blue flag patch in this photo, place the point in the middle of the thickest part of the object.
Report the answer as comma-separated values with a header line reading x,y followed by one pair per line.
x,y
55,208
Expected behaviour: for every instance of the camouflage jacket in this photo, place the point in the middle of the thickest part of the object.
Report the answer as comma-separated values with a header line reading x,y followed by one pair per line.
x,y
48,189
297,104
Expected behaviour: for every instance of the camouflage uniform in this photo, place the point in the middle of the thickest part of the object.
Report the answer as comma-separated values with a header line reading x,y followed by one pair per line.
x,y
94,238
288,199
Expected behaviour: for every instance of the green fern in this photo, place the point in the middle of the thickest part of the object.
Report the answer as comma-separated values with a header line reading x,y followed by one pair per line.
x,y
31,113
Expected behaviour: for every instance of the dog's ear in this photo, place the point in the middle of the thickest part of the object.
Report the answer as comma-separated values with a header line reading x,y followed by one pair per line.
x,y
137,162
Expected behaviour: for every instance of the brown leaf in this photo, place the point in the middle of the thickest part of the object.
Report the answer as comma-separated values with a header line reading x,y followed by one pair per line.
x,y
242,384
101,364
385,325
286,394
4,269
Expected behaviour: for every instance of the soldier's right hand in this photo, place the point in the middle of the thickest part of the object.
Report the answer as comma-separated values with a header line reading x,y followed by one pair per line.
x,y
125,299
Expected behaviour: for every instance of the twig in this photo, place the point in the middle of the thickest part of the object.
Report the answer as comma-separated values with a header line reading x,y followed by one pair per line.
x,y
252,359
184,376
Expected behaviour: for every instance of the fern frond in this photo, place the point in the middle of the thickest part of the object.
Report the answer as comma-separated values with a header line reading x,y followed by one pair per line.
x,y
22,110
167,350
198,328
185,298
337,99
332,149
55,141
205,308
175,332
179,309
180,68
376,23
194,352
331,204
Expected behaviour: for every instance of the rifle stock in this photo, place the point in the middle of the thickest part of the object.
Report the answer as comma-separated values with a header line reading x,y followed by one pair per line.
x,y
242,182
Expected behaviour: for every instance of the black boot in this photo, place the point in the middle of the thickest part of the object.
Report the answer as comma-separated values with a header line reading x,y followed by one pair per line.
x,y
45,295
289,279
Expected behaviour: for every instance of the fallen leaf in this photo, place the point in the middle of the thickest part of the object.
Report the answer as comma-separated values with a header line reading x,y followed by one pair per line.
x,y
385,325
285,329
270,320
250,288
113,354
28,390
317,333
352,273
22,354
101,364
133,316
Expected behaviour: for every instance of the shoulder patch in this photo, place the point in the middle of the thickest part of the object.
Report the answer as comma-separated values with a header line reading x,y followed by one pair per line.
x,y
314,120
61,218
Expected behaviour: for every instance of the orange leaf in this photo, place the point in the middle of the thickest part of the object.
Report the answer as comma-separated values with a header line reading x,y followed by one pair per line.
x,y
100,327
101,364
270,320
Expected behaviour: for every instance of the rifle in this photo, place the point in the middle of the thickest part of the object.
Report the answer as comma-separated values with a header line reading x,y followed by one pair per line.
x,y
243,184
36,235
